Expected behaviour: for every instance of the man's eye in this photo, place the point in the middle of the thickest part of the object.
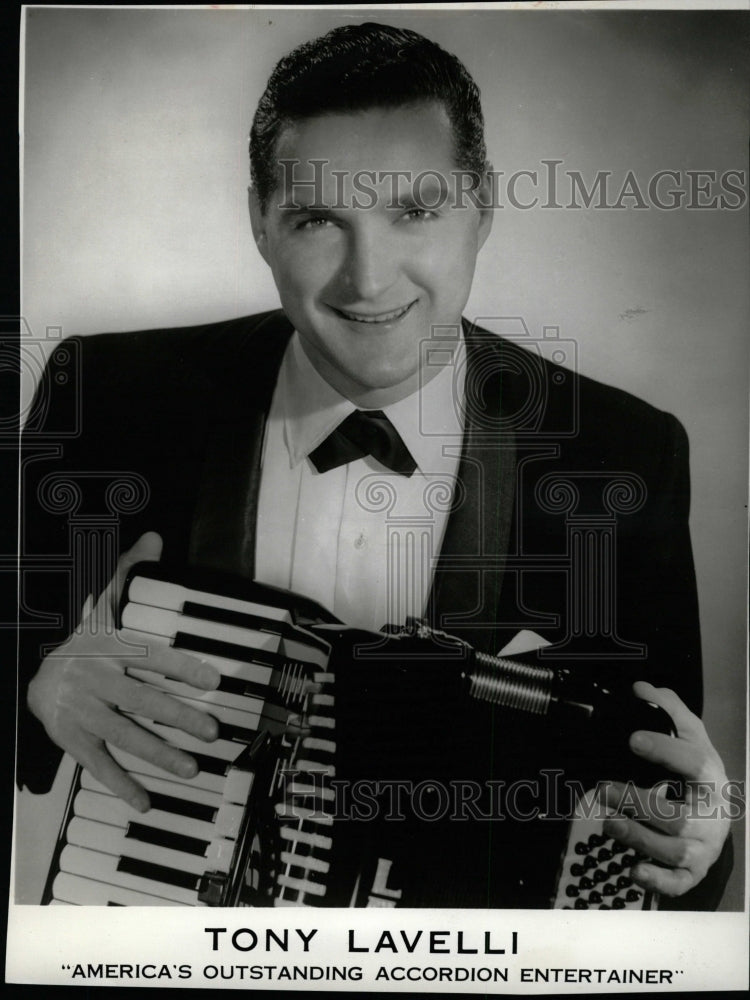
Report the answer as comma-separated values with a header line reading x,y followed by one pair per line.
x,y
316,222
418,215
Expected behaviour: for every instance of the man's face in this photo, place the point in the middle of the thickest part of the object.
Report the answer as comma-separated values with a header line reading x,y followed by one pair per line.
x,y
363,269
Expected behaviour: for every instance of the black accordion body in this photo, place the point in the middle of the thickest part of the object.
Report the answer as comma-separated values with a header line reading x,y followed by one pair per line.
x,y
403,781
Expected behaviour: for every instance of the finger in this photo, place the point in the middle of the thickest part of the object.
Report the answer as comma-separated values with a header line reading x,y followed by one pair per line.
x,y
677,852
685,722
667,881
695,760
652,806
148,548
125,734
162,658
101,766
142,699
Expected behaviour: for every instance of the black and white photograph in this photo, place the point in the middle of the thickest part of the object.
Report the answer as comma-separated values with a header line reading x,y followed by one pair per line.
x,y
383,488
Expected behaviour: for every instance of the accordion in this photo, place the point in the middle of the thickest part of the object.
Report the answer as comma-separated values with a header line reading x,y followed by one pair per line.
x,y
352,768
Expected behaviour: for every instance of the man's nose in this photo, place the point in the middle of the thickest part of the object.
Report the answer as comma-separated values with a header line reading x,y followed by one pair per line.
x,y
371,265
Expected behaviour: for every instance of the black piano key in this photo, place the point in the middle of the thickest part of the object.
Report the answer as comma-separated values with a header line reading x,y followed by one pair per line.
x,y
211,765
249,689
182,807
166,838
257,623
236,734
158,873
229,650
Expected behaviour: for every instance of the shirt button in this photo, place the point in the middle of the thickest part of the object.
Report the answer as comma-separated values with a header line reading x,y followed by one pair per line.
x,y
360,541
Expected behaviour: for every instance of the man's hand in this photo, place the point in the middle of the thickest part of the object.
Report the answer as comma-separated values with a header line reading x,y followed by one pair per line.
x,y
79,688
683,838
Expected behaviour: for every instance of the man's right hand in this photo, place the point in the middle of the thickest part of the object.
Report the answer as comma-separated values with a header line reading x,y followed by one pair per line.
x,y
80,687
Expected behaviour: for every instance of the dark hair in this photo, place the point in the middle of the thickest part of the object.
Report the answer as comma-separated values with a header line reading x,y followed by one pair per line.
x,y
363,66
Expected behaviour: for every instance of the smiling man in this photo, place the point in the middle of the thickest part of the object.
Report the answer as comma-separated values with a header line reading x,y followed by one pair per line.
x,y
367,447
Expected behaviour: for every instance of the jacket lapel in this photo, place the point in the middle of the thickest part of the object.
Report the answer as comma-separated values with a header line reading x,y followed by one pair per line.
x,y
469,574
223,532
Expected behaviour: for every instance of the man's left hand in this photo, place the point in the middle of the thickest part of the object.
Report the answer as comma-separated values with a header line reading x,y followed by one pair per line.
x,y
680,839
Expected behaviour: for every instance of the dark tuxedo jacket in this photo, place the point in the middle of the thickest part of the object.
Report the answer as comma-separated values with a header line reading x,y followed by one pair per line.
x,y
570,520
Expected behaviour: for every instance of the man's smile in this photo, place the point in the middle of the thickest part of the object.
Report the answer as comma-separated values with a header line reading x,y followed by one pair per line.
x,y
390,316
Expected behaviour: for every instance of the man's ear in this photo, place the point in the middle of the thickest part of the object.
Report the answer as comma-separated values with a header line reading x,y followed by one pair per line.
x,y
258,223
485,195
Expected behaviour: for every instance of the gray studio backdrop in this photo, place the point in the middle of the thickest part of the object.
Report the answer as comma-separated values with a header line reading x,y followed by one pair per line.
x,y
134,202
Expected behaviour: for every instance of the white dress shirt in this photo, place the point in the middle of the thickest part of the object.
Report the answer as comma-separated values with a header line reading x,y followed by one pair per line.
x,y
360,539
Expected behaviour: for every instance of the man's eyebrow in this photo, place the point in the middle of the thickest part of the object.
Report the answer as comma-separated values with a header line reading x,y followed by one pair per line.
x,y
291,206
430,192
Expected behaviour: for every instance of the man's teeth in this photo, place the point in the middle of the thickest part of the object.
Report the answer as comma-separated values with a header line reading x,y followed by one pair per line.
x,y
379,318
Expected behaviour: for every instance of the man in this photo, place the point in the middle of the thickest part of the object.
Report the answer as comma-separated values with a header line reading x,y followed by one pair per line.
x,y
370,203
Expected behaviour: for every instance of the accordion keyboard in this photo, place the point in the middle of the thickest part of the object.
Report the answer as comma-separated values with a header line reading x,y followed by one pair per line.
x,y
189,847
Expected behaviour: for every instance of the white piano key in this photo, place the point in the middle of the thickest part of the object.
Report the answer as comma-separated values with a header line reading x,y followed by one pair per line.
x,y
106,809
272,719
255,673
298,649
157,621
82,891
112,840
103,868
237,786
172,596
226,750
167,787
249,702
128,761
243,703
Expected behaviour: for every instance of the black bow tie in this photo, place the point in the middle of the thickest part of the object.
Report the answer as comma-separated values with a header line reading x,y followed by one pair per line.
x,y
364,433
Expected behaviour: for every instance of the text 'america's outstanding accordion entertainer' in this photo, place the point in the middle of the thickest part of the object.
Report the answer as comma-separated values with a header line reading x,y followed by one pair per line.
x,y
307,813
